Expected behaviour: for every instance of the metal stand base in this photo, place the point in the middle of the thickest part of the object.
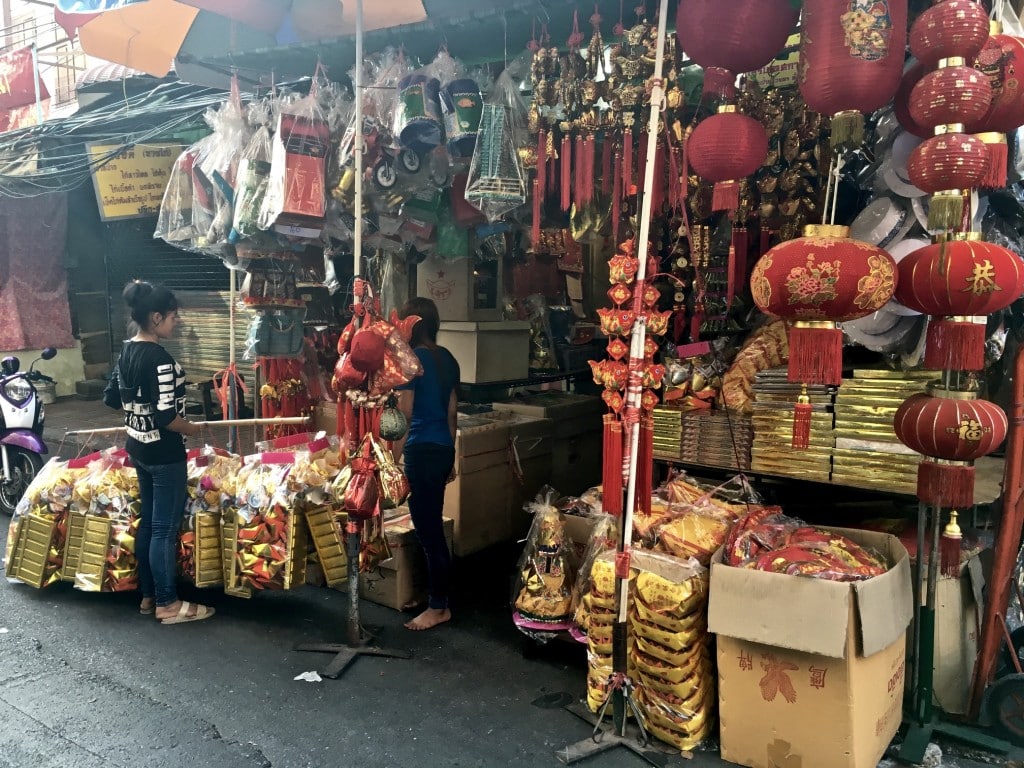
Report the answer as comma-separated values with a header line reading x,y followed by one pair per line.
x,y
605,739
358,637
919,735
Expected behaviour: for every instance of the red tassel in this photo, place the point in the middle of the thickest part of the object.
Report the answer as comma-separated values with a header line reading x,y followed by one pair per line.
x,y
616,200
542,160
816,355
641,167
659,179
954,345
764,245
738,268
802,422
627,161
998,158
945,484
578,172
611,491
590,149
553,175
606,166
644,472
535,230
949,547
674,181
566,181
725,196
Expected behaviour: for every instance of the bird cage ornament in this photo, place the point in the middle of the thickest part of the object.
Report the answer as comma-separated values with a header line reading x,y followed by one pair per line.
x,y
497,179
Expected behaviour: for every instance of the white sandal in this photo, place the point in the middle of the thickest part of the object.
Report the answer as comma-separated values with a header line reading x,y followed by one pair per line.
x,y
182,617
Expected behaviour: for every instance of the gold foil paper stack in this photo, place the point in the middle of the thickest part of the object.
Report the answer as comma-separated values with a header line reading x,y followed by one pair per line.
x,y
326,524
772,451
31,549
711,438
208,550
867,452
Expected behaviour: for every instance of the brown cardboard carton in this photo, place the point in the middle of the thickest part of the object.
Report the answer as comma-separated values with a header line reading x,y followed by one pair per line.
x,y
325,417
402,578
572,414
810,672
488,352
478,502
459,290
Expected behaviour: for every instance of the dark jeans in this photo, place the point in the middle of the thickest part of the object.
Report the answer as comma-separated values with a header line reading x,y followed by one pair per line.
x,y
427,468
162,491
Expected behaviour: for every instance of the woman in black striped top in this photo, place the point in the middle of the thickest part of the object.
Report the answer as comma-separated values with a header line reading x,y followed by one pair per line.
x,y
150,387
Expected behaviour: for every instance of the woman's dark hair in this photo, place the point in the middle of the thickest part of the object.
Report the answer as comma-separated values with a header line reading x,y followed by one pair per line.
x,y
425,331
145,298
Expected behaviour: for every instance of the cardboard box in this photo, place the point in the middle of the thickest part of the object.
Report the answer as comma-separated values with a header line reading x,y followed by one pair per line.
x,y
402,578
811,672
488,352
464,289
325,417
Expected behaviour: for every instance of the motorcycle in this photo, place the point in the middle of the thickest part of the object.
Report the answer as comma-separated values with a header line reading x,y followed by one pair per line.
x,y
21,428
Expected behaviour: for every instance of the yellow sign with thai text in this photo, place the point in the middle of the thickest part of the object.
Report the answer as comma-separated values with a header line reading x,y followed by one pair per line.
x,y
785,69
131,183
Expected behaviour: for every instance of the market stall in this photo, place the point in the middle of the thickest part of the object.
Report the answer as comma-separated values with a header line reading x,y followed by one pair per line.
x,y
811,280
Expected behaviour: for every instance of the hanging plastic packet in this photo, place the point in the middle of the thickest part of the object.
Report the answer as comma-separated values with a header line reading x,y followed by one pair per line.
x,y
419,122
253,179
295,203
497,179
218,168
174,221
603,539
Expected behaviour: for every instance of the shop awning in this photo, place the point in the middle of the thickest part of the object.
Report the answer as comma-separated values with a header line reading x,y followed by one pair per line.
x,y
475,31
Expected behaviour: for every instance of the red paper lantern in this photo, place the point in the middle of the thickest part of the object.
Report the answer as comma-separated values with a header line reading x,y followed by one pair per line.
x,y
955,428
818,280
725,148
1002,60
956,281
755,33
949,28
901,101
851,60
952,94
948,161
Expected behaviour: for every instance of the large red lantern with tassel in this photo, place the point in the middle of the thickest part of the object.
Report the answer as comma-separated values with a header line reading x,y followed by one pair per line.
x,y
851,60
949,28
818,280
1002,61
901,101
725,148
951,428
953,94
948,161
755,33
956,281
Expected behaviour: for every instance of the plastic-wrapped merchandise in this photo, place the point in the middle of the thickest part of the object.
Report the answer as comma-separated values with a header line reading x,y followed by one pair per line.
x,y
767,540
547,570
675,675
497,180
251,186
174,222
216,169
603,539
37,533
270,545
212,474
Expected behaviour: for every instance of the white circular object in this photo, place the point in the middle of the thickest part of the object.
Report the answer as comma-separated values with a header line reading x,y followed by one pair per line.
x,y
894,166
883,222
879,342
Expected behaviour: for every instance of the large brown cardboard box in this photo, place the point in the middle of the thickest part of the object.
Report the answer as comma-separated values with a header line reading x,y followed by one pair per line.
x,y
488,352
530,445
403,577
460,289
811,672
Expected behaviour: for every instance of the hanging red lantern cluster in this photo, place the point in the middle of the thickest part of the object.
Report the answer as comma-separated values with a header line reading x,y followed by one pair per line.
x,y
948,36
958,282
817,281
632,301
952,429
851,59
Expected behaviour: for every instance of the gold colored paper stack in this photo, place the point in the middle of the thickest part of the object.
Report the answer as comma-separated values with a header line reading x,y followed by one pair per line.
x,y
208,550
772,451
712,438
867,452
28,559
326,524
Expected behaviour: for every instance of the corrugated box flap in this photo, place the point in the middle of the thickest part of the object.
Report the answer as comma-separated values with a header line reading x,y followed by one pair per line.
x,y
808,615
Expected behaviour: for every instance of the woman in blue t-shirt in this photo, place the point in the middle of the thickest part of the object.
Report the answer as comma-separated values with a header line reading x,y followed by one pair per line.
x,y
429,403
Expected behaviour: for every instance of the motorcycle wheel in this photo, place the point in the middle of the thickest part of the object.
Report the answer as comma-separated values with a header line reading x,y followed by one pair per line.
x,y
384,174
410,160
25,466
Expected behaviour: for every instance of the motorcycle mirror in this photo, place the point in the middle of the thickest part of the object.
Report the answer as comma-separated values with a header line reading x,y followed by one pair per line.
x,y
49,353
9,365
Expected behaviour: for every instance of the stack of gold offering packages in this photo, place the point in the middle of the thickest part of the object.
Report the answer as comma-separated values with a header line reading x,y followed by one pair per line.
x,y
212,474
714,438
772,451
867,452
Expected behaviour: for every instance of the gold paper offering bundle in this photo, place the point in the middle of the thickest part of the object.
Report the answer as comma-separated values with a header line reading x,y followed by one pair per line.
x,y
546,570
212,475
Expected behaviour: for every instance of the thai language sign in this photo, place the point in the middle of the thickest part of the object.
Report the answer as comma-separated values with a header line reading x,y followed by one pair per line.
x,y
131,185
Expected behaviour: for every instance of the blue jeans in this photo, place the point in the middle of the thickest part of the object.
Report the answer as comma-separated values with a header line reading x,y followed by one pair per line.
x,y
427,468
162,492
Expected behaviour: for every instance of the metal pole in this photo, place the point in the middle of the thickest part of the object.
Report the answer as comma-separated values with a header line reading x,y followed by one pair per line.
x,y
232,383
357,243
35,82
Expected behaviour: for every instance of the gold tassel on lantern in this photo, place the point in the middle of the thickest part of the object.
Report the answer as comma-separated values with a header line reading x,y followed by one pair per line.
x,y
946,210
847,129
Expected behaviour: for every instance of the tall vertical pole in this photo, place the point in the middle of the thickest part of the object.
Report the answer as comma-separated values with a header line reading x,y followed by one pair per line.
x,y
357,243
35,82
232,393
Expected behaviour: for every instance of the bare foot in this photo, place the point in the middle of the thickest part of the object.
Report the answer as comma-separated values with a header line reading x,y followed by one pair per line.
x,y
429,618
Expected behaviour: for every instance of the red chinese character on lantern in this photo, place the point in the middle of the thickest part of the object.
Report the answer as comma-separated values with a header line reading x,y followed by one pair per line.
x,y
746,661
776,678
817,677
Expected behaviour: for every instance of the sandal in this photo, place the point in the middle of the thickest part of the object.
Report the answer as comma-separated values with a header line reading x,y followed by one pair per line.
x,y
147,609
182,617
